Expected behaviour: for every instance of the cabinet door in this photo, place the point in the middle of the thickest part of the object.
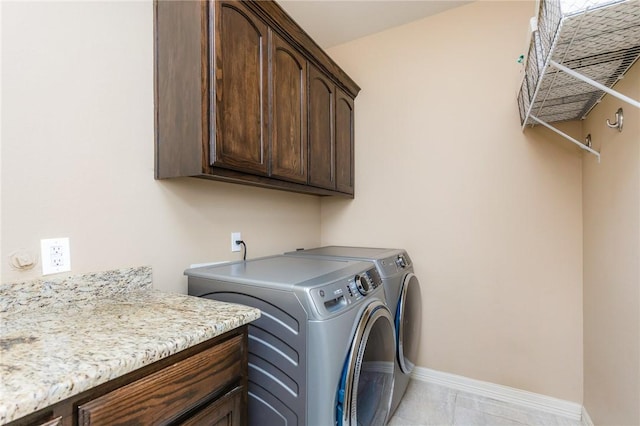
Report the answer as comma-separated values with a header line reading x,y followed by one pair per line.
x,y
240,89
168,393
53,422
179,85
321,134
344,142
226,411
289,132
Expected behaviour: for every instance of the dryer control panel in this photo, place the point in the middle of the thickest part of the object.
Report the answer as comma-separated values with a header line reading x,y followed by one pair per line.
x,y
394,264
332,298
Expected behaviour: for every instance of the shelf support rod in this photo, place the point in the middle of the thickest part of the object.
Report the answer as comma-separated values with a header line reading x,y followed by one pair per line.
x,y
566,136
595,84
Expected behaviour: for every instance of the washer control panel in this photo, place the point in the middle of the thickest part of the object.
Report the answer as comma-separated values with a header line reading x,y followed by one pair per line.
x,y
367,281
336,296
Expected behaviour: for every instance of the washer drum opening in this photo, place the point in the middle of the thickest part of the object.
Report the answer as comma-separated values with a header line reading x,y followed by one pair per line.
x,y
366,386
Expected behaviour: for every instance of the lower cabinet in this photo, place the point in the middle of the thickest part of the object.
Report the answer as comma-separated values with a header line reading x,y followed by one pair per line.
x,y
203,385
53,422
226,411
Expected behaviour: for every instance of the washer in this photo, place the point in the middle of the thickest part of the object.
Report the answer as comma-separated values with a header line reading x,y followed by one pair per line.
x,y
322,353
402,290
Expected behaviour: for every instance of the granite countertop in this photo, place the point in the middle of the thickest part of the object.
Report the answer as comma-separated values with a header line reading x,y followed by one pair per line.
x,y
52,348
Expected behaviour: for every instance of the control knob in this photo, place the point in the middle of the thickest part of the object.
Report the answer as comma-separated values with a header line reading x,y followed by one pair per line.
x,y
401,261
363,283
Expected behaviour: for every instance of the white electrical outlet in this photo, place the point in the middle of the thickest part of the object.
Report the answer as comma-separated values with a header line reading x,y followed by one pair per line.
x,y
235,236
55,255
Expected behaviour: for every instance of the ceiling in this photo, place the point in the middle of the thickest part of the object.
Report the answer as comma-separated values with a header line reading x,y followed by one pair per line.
x,y
333,22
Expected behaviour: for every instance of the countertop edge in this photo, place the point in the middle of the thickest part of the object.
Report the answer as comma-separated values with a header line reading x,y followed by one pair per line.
x,y
224,317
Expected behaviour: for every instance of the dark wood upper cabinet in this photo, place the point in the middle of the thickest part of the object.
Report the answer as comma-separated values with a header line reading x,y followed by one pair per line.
x,y
344,143
289,108
240,95
321,130
244,95
331,135
180,116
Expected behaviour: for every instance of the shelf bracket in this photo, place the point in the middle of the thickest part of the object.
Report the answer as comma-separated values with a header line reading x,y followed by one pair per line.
x,y
566,136
595,84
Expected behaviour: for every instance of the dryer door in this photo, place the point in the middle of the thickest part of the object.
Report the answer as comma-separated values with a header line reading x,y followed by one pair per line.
x,y
364,397
408,322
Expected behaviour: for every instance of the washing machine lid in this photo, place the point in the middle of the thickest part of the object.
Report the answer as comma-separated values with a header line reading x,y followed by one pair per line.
x,y
345,251
282,272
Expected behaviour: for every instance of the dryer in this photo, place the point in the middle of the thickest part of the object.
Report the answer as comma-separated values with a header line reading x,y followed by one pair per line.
x,y
322,353
402,292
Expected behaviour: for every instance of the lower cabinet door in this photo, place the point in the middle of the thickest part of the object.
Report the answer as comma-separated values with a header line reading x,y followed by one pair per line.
x,y
53,422
168,393
225,411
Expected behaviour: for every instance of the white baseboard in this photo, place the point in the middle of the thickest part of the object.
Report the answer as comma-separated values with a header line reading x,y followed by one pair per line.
x,y
560,407
586,420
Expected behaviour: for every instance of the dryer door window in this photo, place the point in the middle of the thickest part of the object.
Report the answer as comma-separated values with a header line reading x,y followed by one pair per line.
x,y
364,397
408,323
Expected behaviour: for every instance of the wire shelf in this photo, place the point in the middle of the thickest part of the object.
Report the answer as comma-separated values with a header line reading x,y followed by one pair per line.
x,y
599,39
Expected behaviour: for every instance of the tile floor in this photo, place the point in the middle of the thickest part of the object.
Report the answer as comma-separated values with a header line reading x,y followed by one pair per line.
x,y
429,404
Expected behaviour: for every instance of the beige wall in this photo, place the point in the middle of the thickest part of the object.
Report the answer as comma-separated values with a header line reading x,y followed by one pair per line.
x,y
77,154
611,203
490,216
